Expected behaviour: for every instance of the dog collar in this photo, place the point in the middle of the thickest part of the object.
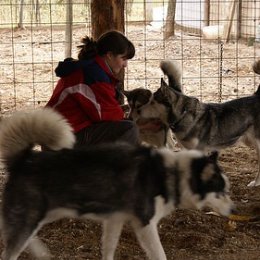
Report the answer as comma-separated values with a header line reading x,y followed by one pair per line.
x,y
174,124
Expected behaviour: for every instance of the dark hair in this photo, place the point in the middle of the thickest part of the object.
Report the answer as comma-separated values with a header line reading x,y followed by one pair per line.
x,y
111,41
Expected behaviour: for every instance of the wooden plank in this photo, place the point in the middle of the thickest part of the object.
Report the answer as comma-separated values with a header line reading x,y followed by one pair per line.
x,y
207,13
229,20
68,30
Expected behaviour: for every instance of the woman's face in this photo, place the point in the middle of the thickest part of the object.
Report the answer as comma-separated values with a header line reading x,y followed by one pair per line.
x,y
116,62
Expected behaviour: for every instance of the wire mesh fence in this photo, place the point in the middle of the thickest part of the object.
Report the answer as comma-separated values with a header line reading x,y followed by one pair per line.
x,y
215,42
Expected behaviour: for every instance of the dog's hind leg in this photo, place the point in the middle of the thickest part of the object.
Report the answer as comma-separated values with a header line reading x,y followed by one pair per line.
x,y
149,240
112,227
256,181
16,239
20,224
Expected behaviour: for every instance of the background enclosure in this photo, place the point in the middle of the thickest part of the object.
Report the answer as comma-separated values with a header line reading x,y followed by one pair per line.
x,y
34,38
215,43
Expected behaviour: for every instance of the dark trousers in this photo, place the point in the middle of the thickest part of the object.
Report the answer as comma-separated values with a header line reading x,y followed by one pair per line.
x,y
109,131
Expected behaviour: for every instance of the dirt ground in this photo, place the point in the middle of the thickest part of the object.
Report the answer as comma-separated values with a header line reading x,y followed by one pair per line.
x,y
185,234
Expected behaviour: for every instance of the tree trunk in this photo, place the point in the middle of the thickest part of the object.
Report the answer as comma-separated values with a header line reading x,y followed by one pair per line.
x,y
170,19
68,30
148,7
108,15
20,24
207,12
37,12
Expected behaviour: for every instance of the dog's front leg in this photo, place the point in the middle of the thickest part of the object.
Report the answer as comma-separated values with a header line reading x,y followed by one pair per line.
x,y
149,240
111,231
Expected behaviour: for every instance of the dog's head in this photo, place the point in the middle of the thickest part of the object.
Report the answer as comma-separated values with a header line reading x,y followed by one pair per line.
x,y
172,107
137,99
159,104
197,181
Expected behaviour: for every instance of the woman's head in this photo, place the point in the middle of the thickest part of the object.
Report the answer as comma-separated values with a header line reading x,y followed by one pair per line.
x,y
116,43
112,45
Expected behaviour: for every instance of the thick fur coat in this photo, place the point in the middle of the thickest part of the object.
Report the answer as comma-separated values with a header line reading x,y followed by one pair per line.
x,y
206,126
112,183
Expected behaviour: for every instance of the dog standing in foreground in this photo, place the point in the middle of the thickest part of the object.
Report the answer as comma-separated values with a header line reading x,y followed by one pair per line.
x,y
112,183
206,126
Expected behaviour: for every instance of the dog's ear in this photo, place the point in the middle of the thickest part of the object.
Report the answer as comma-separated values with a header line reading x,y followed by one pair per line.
x,y
126,93
163,83
164,87
161,94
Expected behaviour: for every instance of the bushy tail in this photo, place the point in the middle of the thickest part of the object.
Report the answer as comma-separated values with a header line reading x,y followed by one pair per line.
x,y
172,70
23,130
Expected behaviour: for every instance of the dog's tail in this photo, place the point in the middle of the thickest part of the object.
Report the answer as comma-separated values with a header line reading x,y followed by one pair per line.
x,y
172,70
22,131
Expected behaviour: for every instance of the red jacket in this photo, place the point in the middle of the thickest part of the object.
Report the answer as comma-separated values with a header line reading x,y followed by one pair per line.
x,y
86,93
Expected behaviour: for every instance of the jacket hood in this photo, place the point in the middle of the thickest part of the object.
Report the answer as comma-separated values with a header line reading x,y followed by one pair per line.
x,y
70,65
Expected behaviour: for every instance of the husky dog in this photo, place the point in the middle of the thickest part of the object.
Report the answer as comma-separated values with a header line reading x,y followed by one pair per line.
x,y
112,183
206,126
158,134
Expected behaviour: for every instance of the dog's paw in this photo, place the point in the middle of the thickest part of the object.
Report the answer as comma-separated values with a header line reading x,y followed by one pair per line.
x,y
253,184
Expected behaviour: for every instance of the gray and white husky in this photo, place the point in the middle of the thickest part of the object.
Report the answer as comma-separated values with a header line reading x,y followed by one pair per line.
x,y
206,126
159,135
112,183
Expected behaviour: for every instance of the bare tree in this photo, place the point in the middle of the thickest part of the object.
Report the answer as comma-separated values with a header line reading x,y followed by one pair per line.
x,y
20,23
148,7
206,12
170,19
68,29
37,12
107,15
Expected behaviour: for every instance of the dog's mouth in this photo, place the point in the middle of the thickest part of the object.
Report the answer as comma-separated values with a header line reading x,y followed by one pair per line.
x,y
153,125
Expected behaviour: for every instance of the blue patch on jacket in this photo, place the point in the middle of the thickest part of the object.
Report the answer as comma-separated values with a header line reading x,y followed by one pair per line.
x,y
91,70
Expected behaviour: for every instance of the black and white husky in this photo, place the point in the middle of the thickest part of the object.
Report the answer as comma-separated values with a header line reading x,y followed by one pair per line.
x,y
112,183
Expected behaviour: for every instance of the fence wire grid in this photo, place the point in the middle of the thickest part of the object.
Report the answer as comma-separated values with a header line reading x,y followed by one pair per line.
x,y
214,41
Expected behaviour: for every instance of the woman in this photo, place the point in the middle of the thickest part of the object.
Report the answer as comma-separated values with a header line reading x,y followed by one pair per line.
x,y
86,93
